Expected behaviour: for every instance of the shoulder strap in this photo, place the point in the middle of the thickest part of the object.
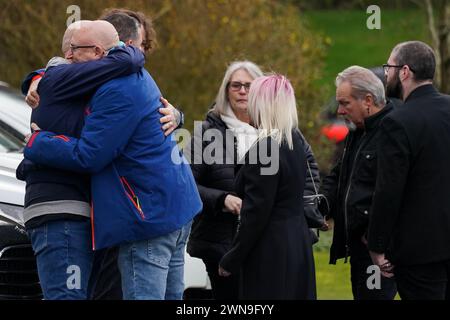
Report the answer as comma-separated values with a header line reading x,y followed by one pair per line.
x,y
312,178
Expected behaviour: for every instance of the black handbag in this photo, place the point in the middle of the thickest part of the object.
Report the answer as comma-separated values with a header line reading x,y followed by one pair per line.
x,y
311,204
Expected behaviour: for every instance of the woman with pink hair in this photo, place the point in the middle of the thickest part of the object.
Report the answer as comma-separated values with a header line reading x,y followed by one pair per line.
x,y
272,249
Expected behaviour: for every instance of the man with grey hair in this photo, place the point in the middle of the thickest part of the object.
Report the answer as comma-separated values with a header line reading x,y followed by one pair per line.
x,y
350,185
410,222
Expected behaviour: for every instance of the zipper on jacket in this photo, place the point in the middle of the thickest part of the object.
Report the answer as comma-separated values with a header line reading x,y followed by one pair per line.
x,y
347,248
339,192
134,199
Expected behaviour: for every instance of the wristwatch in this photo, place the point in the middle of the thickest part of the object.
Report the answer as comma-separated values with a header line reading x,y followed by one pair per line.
x,y
180,119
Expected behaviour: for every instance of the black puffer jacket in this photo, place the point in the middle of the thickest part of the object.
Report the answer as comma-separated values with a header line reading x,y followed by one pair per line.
x,y
213,230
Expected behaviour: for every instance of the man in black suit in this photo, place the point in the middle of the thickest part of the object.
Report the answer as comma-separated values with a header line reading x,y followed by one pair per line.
x,y
410,216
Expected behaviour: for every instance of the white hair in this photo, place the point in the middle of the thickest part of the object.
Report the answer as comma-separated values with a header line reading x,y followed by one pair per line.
x,y
222,102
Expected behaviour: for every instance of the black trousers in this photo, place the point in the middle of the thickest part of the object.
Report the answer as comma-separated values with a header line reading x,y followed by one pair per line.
x,y
105,282
424,282
359,265
223,288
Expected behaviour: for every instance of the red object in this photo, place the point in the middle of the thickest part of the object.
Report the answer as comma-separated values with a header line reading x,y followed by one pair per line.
x,y
38,76
335,132
30,142
62,137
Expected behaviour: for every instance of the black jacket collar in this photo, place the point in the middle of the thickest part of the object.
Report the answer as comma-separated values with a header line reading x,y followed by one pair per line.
x,y
421,91
373,121
215,121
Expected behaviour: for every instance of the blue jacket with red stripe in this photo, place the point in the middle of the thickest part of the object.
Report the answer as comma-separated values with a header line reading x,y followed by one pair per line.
x,y
65,91
142,186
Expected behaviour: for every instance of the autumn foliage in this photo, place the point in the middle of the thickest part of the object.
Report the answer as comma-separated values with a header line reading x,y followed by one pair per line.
x,y
197,40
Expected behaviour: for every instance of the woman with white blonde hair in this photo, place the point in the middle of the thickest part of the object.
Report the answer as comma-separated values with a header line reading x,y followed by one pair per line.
x,y
272,249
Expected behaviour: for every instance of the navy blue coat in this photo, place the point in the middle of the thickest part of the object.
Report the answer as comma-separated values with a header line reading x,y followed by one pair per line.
x,y
142,187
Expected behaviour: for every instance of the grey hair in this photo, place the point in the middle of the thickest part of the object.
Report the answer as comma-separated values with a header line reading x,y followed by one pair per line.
x,y
363,81
222,102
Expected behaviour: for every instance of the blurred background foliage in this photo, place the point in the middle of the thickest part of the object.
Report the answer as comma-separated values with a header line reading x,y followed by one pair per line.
x,y
197,40
309,41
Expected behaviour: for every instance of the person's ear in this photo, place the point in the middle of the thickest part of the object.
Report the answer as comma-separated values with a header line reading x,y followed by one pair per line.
x,y
129,42
368,100
68,55
368,103
99,51
404,73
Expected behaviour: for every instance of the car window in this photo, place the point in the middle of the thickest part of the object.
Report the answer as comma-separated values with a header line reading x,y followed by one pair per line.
x,y
14,120
8,142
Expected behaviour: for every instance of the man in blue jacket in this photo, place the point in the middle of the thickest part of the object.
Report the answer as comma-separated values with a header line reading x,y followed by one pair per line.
x,y
57,206
48,195
144,195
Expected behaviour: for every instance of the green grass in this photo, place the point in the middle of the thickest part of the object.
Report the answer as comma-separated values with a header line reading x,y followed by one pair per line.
x,y
351,43
333,281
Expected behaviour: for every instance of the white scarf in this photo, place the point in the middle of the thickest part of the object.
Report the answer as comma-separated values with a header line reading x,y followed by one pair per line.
x,y
245,134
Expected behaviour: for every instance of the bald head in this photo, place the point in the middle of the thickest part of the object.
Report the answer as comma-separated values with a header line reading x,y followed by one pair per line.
x,y
91,39
69,33
98,32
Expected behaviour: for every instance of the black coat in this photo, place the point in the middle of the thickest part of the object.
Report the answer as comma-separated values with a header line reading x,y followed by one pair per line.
x,y
272,250
411,208
213,229
350,185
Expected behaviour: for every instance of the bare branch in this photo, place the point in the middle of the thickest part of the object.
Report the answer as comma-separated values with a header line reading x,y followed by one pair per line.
x,y
435,39
431,23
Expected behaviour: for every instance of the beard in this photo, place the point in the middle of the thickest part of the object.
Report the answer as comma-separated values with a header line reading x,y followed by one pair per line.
x,y
394,88
350,125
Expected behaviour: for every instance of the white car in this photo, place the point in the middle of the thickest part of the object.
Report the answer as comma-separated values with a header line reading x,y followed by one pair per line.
x,y
18,274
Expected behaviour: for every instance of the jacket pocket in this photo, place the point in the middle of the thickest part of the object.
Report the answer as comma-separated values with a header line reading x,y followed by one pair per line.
x,y
359,220
132,196
368,166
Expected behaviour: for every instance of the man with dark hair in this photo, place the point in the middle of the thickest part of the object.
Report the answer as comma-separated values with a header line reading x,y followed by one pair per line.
x,y
146,29
127,27
419,57
57,201
134,28
410,216
105,282
150,196
105,262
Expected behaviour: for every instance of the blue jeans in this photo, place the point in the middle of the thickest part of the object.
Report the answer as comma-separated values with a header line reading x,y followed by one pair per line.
x,y
63,251
154,269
